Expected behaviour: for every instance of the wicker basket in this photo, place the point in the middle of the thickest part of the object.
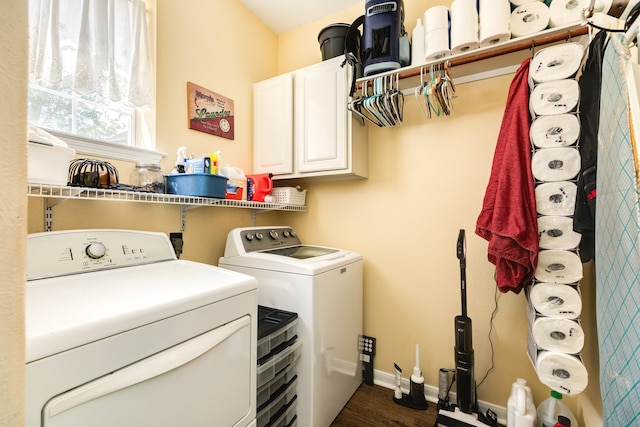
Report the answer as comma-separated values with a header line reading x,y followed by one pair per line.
x,y
288,195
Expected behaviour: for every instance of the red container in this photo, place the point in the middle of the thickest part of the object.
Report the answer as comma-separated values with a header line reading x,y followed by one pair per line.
x,y
260,185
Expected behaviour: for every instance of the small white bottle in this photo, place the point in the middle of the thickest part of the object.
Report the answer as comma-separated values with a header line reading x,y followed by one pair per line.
x,y
521,411
549,410
417,44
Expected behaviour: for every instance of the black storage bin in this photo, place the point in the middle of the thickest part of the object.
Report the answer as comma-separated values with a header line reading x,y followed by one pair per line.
x,y
331,39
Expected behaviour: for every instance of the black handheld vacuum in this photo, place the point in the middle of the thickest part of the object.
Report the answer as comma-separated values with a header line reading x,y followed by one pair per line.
x,y
465,413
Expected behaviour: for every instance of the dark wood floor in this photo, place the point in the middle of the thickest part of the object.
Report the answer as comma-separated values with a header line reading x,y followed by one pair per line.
x,y
373,406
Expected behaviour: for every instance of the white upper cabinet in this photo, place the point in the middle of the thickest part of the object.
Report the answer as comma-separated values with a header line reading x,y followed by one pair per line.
x,y
318,138
272,126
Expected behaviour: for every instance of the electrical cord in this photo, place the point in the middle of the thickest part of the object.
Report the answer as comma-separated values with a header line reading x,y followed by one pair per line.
x,y
493,315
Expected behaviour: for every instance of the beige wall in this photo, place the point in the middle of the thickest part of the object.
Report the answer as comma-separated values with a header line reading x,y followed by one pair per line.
x,y
13,208
427,180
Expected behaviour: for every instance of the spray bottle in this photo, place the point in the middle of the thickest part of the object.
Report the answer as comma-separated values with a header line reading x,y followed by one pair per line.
x,y
181,160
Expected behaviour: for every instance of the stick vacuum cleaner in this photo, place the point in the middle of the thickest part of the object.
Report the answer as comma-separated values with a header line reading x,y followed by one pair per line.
x,y
466,387
465,413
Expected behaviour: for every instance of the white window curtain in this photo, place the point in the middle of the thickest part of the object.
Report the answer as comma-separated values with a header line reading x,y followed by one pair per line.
x,y
92,46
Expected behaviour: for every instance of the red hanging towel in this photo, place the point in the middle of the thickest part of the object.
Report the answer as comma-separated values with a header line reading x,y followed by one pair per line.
x,y
508,220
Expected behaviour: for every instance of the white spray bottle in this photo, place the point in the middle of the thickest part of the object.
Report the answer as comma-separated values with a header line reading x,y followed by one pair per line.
x,y
181,157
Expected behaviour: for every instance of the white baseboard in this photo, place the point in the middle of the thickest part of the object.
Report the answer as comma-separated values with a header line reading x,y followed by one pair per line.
x,y
387,380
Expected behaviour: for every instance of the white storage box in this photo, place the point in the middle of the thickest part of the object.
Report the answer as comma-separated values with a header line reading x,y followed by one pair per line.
x,y
48,158
48,164
288,195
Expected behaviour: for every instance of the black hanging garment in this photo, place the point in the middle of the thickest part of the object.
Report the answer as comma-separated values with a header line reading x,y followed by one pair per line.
x,y
590,83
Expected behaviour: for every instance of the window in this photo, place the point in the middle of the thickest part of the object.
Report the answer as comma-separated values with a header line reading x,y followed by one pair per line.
x,y
91,77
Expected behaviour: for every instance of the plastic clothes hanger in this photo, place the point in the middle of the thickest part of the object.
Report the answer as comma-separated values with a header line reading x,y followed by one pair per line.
x,y
420,98
372,103
432,98
358,107
446,89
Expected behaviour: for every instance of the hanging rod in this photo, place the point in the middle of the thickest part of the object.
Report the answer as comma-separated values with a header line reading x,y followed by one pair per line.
x,y
516,47
546,37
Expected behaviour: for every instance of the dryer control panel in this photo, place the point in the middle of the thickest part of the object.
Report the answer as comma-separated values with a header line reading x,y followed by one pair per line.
x,y
60,253
251,239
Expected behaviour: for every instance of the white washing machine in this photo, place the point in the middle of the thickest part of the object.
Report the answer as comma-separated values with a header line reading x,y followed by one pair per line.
x,y
121,333
324,287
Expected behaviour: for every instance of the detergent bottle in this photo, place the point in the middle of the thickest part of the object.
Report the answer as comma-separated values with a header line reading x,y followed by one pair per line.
x,y
521,411
259,186
553,407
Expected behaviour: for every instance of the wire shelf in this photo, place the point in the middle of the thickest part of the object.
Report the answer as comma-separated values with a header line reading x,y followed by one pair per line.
x,y
58,192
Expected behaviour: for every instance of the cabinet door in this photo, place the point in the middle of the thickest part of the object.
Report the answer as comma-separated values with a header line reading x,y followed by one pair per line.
x,y
320,124
273,125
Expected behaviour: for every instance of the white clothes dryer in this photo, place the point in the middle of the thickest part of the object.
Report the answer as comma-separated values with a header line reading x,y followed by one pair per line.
x,y
324,286
119,332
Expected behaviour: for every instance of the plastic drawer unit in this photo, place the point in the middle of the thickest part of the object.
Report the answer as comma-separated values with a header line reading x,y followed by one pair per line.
x,y
278,351
271,413
275,328
271,389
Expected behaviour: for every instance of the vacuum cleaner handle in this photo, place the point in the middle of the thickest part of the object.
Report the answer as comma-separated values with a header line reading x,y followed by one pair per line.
x,y
461,247
461,252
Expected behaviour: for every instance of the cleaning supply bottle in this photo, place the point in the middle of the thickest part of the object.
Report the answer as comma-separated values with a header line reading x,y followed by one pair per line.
x,y
521,410
181,160
553,407
525,413
562,422
417,44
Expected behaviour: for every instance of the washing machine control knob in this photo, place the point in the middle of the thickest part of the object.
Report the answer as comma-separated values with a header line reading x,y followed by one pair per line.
x,y
292,233
96,250
273,234
285,233
259,236
249,236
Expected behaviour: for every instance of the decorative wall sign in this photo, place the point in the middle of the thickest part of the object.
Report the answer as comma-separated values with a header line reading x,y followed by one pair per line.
x,y
209,112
